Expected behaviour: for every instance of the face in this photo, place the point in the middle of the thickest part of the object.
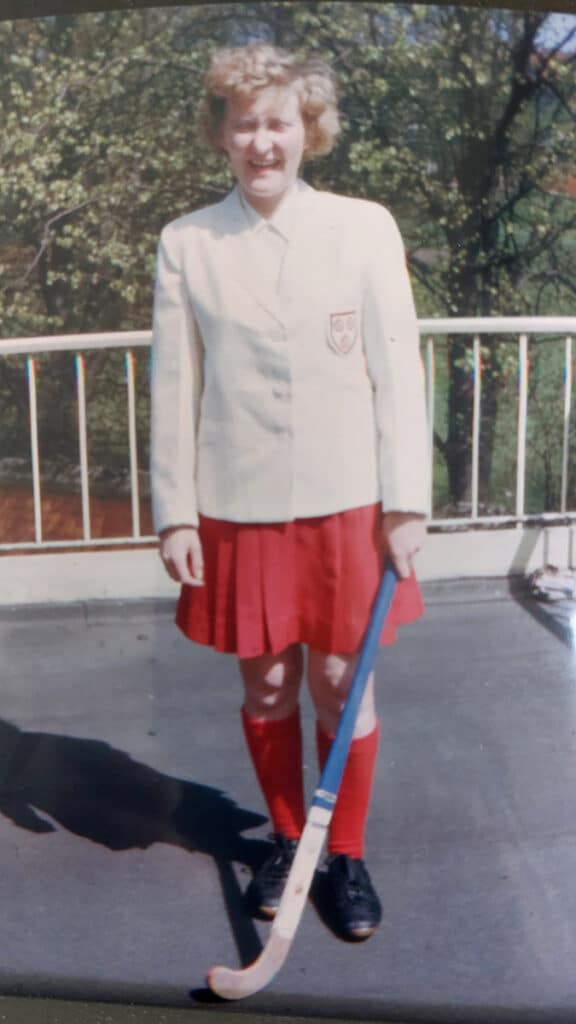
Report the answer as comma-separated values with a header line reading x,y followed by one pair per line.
x,y
264,137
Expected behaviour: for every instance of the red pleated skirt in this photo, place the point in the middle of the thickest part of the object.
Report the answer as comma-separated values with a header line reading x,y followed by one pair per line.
x,y
310,581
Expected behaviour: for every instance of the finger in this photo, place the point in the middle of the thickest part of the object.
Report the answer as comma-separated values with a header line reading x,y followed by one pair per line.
x,y
185,576
177,568
196,559
169,567
402,565
175,572
192,581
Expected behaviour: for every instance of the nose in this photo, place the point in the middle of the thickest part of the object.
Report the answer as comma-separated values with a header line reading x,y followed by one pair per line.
x,y
261,142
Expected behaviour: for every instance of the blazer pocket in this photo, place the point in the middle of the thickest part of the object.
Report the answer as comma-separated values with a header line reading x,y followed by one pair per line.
x,y
343,329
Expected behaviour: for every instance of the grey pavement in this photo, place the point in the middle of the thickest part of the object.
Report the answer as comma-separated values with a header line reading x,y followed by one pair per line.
x,y
131,818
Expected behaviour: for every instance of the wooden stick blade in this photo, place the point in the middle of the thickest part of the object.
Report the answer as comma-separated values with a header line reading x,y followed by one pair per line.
x,y
237,984
230,984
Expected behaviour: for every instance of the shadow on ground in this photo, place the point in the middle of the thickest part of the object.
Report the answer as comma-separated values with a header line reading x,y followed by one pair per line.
x,y
558,617
102,794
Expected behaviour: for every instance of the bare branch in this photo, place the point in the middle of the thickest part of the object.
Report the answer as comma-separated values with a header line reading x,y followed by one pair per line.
x,y
546,60
21,281
437,290
562,102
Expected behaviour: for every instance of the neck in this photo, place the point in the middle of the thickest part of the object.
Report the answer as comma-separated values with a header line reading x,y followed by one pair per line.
x,y
266,206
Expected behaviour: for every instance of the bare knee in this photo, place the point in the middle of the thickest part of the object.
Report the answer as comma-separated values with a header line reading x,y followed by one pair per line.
x,y
272,683
329,679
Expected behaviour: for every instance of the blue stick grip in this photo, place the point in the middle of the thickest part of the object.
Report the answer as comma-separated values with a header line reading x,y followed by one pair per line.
x,y
327,789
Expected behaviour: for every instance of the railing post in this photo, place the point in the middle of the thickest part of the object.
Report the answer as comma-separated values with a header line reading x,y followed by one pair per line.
x,y
522,423
83,445
134,488
430,396
567,412
476,425
34,448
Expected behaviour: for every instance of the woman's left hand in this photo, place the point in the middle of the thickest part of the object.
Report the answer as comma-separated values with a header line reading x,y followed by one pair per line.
x,y
404,534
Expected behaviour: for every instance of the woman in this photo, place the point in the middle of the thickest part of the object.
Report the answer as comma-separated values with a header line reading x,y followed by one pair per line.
x,y
289,450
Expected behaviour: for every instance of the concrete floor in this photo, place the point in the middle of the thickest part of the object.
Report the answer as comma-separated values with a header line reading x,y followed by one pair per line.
x,y
130,818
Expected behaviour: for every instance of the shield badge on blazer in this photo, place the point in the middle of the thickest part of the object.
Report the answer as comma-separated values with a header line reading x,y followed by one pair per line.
x,y
343,331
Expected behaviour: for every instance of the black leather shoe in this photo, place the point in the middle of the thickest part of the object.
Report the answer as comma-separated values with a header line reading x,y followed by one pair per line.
x,y
266,888
352,903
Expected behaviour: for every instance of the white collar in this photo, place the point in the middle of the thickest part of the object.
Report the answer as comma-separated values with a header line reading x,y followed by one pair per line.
x,y
284,217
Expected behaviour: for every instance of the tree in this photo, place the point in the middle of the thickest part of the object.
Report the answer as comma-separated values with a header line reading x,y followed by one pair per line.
x,y
98,153
474,122
456,118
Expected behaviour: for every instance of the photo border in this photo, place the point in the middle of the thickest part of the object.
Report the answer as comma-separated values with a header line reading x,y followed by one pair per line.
x,y
30,1009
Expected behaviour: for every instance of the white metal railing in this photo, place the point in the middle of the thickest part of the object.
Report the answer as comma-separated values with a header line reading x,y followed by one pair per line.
x,y
521,328
79,344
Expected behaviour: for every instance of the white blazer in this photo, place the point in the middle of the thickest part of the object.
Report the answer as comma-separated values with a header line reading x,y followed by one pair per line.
x,y
274,404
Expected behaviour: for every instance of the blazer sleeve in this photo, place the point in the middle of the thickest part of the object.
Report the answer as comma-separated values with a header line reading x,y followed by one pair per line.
x,y
176,386
392,347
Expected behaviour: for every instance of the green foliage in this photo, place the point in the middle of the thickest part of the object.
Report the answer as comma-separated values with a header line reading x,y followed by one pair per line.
x,y
454,117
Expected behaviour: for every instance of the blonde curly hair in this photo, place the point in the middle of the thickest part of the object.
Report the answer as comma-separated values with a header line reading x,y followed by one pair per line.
x,y
241,70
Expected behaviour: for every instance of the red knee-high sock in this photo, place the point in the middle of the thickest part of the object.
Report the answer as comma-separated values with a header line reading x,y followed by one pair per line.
x,y
346,833
276,752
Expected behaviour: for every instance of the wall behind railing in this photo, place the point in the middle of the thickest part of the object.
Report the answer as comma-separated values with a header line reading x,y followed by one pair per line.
x,y
57,530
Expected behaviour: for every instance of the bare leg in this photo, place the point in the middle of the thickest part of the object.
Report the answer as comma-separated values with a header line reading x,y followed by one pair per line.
x,y
272,683
329,678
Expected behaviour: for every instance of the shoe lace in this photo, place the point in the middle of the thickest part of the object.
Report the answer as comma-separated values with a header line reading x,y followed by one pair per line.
x,y
281,858
353,872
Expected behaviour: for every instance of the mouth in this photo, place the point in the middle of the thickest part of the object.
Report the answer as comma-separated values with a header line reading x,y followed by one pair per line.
x,y
264,165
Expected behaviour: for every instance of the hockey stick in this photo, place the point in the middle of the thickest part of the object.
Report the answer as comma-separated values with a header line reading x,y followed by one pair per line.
x,y
237,984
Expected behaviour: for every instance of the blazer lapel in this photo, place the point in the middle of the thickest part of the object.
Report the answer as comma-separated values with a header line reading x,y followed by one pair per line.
x,y
235,254
310,263
312,256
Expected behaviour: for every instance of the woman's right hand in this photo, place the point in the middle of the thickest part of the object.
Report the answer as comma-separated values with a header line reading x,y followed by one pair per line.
x,y
181,553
